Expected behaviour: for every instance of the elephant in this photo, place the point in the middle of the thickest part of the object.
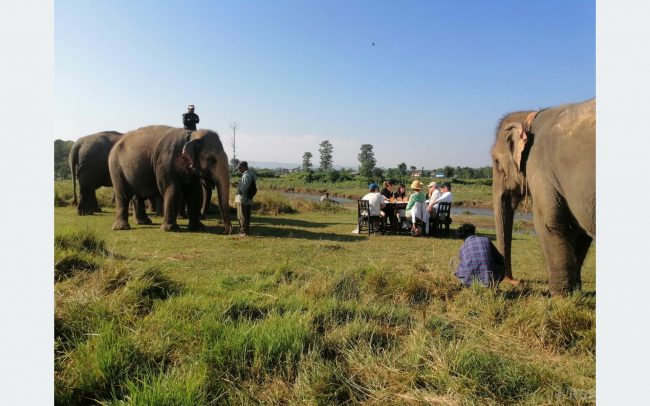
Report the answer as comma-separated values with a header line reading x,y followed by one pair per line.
x,y
169,162
550,155
88,162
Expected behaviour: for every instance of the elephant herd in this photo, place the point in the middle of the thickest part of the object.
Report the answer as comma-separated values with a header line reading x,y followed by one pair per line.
x,y
154,162
548,155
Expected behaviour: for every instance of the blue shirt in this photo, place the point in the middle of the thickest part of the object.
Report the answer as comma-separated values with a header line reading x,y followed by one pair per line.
x,y
479,259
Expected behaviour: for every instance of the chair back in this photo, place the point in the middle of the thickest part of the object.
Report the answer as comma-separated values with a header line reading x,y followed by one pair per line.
x,y
363,208
444,211
419,211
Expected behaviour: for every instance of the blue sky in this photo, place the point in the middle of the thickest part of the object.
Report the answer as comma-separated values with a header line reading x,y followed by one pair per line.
x,y
293,73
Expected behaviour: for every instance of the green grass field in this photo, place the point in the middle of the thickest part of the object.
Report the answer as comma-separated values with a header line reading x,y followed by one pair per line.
x,y
303,312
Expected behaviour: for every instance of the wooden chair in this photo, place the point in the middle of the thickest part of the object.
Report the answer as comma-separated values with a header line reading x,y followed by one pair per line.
x,y
364,219
441,218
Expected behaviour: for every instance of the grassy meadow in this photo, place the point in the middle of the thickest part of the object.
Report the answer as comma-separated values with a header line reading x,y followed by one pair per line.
x,y
304,312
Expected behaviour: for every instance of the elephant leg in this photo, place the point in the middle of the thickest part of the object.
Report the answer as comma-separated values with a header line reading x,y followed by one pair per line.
x,y
85,206
140,211
182,212
581,245
171,199
194,199
123,195
158,201
95,204
556,238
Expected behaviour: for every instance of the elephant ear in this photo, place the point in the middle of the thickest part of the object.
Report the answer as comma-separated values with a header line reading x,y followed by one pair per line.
x,y
190,151
516,138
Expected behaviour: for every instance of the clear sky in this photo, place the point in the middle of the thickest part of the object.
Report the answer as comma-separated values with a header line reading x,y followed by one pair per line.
x,y
293,73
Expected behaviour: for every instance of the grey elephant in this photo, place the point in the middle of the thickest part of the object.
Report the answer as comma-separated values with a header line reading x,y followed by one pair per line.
x,y
88,162
549,155
165,161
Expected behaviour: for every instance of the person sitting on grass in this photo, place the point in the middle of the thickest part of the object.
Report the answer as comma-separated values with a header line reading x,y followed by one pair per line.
x,y
478,259
326,199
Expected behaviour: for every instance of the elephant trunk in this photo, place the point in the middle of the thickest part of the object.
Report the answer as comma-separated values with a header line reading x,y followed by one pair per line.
x,y
503,219
221,178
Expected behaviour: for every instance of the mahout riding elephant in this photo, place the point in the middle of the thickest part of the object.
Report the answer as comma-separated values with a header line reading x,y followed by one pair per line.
x,y
88,162
549,155
165,161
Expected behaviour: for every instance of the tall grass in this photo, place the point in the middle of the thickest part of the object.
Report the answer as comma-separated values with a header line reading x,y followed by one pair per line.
x,y
307,314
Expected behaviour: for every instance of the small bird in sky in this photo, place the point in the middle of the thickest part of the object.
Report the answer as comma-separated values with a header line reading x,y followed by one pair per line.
x,y
373,44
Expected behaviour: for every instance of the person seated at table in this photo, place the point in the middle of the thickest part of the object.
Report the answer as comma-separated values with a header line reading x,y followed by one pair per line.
x,y
389,210
400,195
387,190
416,197
376,202
478,259
446,196
434,191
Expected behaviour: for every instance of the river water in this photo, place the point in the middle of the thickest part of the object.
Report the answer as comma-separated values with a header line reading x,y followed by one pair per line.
x,y
454,210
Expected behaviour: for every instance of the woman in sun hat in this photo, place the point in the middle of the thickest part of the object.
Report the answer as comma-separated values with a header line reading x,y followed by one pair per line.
x,y
416,197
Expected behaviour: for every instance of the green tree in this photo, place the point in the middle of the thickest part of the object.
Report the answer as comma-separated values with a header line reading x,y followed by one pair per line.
x,y
448,171
61,153
367,160
401,169
233,165
333,175
325,151
306,161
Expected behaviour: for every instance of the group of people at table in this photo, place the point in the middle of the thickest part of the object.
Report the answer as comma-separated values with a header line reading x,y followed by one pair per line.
x,y
385,203
478,259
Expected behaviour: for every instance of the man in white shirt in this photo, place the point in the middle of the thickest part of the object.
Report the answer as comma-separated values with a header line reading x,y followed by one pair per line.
x,y
434,193
446,196
376,201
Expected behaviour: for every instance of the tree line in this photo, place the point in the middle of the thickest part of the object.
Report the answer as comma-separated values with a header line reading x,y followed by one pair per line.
x,y
368,166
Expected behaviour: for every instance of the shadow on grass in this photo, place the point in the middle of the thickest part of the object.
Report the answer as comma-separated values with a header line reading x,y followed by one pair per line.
x,y
283,221
264,231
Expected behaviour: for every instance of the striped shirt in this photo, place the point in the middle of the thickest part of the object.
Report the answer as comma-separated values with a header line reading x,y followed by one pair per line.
x,y
479,259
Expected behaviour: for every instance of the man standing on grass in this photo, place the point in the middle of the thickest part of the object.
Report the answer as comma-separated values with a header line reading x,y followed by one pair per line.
x,y
478,259
246,190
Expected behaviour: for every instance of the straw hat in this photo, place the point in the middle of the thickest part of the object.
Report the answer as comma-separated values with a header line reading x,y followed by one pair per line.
x,y
417,185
